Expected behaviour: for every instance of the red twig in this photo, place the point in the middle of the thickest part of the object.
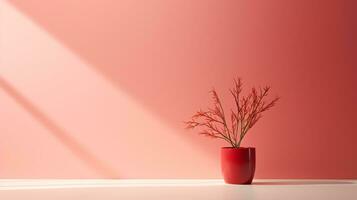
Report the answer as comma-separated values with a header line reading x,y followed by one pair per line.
x,y
248,111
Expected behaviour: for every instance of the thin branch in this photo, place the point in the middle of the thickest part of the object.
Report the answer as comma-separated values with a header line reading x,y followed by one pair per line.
x,y
247,113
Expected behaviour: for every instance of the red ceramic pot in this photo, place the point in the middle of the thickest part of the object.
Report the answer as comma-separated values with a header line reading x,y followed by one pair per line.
x,y
238,165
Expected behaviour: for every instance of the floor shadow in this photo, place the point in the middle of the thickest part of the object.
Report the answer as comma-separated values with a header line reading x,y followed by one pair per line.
x,y
304,182
81,152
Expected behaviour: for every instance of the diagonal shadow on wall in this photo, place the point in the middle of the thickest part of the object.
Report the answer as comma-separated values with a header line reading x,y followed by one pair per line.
x,y
81,152
164,54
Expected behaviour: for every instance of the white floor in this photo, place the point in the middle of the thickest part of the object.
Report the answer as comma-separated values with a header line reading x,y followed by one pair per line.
x,y
16,189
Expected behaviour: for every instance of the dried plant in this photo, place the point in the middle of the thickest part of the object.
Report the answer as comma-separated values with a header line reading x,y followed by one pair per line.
x,y
248,110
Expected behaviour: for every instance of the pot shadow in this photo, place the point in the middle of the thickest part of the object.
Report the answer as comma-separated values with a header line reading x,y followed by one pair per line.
x,y
304,182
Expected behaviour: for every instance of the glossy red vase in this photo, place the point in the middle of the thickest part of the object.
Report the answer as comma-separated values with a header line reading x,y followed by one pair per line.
x,y
238,165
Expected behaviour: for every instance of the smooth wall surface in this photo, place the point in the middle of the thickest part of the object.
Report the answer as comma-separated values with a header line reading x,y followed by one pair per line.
x,y
99,89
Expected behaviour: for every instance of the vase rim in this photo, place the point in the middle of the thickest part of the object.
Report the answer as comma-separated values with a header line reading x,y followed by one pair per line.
x,y
238,147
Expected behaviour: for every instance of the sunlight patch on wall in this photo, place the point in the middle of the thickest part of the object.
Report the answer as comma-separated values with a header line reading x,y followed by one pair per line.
x,y
104,119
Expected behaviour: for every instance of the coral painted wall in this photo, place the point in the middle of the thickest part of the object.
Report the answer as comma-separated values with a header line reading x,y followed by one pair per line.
x,y
99,89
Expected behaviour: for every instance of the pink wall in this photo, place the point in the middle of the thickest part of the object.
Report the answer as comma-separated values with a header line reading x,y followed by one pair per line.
x,y
93,89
